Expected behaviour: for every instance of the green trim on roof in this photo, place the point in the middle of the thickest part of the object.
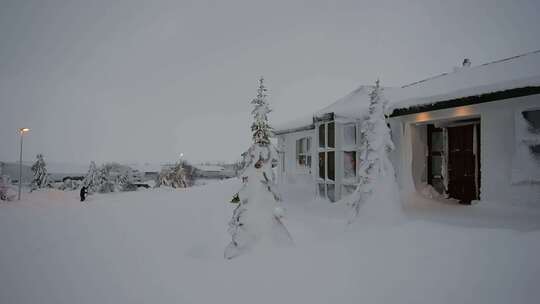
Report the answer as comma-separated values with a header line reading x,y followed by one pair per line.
x,y
469,100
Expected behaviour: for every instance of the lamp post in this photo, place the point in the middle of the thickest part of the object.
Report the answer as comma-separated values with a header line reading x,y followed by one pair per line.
x,y
21,133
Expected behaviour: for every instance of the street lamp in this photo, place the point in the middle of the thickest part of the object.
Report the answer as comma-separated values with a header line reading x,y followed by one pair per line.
x,y
21,132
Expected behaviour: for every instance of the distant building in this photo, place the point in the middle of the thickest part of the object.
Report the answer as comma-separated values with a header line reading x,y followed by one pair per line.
x,y
11,169
213,171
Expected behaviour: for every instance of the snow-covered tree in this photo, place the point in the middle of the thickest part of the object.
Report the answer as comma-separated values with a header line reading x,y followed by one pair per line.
x,y
181,175
376,195
41,178
92,180
257,216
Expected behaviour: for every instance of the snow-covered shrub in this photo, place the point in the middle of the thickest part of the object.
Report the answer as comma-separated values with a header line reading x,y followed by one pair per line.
x,y
114,177
39,169
377,191
69,184
6,191
258,214
181,175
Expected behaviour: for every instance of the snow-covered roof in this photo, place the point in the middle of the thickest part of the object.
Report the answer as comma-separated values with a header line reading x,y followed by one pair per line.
x,y
510,73
501,75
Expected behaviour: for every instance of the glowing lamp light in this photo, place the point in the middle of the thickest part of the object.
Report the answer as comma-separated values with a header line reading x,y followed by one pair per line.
x,y
22,130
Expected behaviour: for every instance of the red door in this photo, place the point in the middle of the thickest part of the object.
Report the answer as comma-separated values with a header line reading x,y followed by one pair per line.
x,y
463,169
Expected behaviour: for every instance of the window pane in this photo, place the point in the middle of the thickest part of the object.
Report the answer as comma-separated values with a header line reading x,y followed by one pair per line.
x,y
436,165
533,118
437,142
349,164
301,160
321,190
308,161
308,144
298,146
331,167
535,150
331,132
331,192
349,134
321,136
321,164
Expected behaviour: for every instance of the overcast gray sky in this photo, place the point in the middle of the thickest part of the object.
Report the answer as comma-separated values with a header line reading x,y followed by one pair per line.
x,y
146,80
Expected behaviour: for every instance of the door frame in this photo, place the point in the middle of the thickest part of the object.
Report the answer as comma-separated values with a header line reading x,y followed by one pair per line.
x,y
438,127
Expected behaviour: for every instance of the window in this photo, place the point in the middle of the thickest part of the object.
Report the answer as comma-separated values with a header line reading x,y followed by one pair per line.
x,y
526,160
532,117
303,152
321,165
331,137
349,165
322,142
331,166
327,155
349,135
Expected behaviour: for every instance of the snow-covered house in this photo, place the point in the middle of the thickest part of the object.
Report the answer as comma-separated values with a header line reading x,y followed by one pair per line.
x,y
473,133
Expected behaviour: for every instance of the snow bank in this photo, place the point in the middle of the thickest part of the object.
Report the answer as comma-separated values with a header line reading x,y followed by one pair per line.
x,y
166,246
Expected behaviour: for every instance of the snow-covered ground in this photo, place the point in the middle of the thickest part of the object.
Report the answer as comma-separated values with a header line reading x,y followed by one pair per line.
x,y
166,246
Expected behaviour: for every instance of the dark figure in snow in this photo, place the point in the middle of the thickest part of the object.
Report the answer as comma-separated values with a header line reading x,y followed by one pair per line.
x,y
84,192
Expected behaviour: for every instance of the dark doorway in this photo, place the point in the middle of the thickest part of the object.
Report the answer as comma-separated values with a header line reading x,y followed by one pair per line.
x,y
464,162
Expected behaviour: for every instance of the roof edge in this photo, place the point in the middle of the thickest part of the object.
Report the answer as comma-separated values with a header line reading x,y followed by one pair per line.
x,y
468,100
293,130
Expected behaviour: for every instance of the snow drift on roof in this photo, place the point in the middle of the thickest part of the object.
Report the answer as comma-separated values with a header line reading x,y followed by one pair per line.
x,y
501,75
510,73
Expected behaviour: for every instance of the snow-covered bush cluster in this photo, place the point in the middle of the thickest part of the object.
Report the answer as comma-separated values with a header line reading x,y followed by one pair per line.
x,y
7,193
69,184
258,214
181,175
110,177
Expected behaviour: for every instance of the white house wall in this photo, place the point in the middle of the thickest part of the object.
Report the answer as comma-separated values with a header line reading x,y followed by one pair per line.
x,y
498,144
287,145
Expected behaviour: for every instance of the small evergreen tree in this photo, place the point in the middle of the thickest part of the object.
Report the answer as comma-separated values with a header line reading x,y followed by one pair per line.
x,y
41,178
257,216
377,188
